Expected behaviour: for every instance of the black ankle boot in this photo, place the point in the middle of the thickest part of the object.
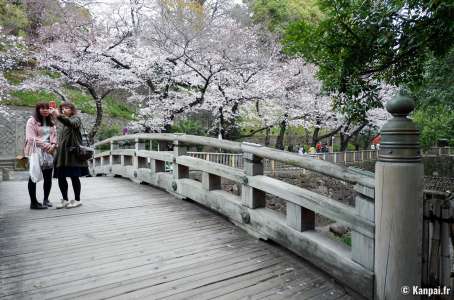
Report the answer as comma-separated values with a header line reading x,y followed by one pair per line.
x,y
37,205
47,203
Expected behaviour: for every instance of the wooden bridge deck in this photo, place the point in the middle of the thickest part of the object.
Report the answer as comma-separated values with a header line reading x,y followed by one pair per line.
x,y
132,241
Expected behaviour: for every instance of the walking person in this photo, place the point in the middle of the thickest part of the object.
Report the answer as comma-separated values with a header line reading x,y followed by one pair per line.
x,y
40,132
67,161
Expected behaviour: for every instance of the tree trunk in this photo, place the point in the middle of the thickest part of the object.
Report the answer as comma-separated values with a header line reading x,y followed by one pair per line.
x,y
280,137
267,136
98,121
290,139
344,139
167,128
315,137
221,130
368,141
357,147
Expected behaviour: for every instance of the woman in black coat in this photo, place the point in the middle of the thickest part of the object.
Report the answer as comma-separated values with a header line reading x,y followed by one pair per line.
x,y
67,161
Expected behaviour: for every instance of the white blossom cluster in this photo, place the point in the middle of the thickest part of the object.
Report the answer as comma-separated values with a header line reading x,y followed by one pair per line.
x,y
4,89
173,57
13,53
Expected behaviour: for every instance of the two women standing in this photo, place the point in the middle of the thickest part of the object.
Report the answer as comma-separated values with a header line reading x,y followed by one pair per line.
x,y
41,130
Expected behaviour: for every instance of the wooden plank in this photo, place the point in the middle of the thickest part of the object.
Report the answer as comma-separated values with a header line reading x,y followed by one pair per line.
x,y
277,288
141,262
129,237
274,281
222,272
180,269
215,290
92,242
327,254
138,260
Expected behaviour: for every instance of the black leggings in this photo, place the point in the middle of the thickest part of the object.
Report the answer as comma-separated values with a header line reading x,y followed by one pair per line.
x,y
63,184
47,175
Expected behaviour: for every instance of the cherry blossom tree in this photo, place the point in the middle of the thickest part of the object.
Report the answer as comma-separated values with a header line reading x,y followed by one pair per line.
x,y
209,60
294,97
13,54
175,57
4,88
81,51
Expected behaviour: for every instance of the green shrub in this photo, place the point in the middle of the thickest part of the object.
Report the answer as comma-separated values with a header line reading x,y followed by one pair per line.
x,y
188,126
118,109
111,107
347,239
435,122
49,73
82,101
351,147
17,76
106,131
29,98
13,17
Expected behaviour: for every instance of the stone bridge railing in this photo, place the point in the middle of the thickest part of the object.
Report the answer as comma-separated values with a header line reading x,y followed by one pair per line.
x,y
146,162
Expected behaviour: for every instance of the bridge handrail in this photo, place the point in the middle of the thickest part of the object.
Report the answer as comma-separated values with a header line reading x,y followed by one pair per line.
x,y
319,166
295,230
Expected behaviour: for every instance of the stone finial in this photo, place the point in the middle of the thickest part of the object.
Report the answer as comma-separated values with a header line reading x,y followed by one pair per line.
x,y
401,105
399,136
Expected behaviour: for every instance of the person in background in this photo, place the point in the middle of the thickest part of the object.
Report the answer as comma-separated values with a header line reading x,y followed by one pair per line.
x,y
41,131
325,148
301,151
67,161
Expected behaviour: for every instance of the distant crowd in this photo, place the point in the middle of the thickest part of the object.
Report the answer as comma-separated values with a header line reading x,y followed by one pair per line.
x,y
319,148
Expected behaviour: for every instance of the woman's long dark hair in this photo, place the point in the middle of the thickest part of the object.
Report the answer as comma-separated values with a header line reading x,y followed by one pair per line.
x,y
39,118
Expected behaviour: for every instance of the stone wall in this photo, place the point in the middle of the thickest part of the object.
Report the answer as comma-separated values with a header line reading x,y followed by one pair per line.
x,y
12,130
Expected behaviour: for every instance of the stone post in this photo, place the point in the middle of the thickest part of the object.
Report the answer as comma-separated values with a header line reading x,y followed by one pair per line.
x,y
179,171
157,166
113,146
399,186
138,146
251,197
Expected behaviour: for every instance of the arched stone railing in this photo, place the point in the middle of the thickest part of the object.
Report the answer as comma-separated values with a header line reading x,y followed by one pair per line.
x,y
148,161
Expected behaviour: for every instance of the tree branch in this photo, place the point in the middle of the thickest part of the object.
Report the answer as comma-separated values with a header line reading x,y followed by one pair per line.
x,y
124,37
